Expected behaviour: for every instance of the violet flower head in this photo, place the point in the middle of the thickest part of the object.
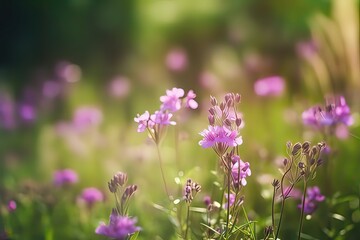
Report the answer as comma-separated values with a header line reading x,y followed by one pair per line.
x,y
11,206
162,118
240,170
231,202
65,176
91,195
119,87
313,197
225,124
85,117
189,99
144,121
176,59
27,112
119,227
336,111
219,135
172,100
269,86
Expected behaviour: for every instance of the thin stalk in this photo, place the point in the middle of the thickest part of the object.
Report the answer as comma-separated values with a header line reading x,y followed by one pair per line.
x,y
302,210
187,222
228,201
273,210
282,200
162,171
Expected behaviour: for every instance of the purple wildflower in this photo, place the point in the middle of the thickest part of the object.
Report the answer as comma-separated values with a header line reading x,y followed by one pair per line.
x,y
240,170
190,102
119,228
27,112
335,112
11,206
231,202
219,135
269,86
144,121
313,196
171,101
91,195
162,118
207,200
66,176
119,87
86,117
176,59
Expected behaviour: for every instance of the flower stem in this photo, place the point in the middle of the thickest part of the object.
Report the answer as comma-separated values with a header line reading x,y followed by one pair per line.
x,y
273,210
228,200
187,222
302,210
162,171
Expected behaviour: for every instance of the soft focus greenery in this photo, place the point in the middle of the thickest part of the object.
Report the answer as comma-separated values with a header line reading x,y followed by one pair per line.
x,y
233,43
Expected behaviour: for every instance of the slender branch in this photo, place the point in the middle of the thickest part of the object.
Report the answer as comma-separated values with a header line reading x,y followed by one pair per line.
x,y
282,200
302,210
187,222
162,171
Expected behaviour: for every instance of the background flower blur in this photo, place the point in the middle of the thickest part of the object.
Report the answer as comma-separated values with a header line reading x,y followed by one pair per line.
x,y
74,74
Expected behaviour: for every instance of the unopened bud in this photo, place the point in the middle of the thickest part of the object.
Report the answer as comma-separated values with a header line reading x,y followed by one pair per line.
x,y
306,146
227,122
211,120
238,122
237,98
213,101
295,149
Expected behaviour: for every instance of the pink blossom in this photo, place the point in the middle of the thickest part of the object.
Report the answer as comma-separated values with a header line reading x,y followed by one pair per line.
x,y
269,86
144,121
91,195
190,102
171,101
11,206
65,176
176,59
119,227
119,87
219,135
240,170
162,118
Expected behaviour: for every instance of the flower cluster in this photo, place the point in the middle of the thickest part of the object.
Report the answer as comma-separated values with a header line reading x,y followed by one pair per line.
x,y
269,86
223,136
313,197
335,112
224,125
190,190
119,228
120,225
91,195
172,102
240,170
65,177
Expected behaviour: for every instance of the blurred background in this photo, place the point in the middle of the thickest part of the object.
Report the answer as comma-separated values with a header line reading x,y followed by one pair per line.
x,y
74,74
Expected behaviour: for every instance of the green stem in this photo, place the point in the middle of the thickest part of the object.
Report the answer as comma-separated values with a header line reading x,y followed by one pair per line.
x,y
273,210
302,210
162,171
187,222
228,200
